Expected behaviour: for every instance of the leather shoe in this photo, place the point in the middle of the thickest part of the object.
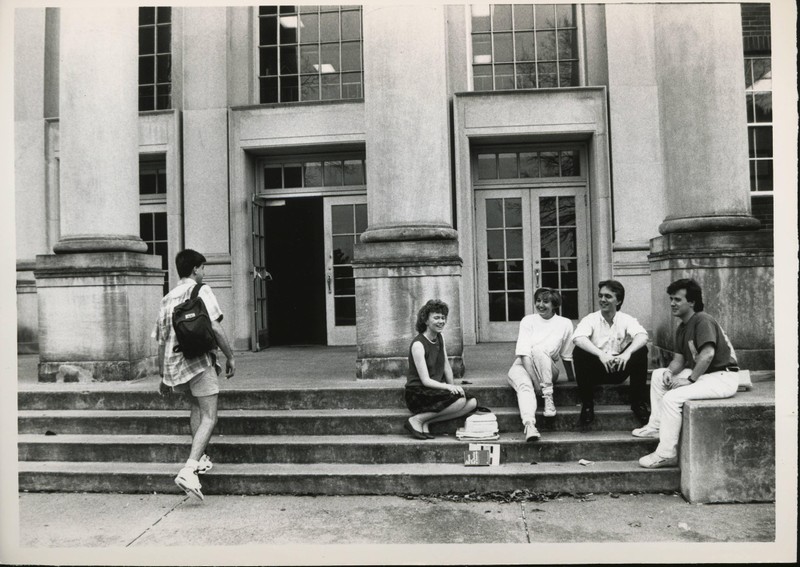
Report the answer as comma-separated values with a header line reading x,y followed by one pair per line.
x,y
414,433
641,412
586,417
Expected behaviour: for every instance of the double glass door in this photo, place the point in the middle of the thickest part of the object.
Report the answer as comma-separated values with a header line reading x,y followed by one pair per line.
x,y
529,238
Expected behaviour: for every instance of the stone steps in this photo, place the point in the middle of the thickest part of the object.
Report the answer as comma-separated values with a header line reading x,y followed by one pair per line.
x,y
337,479
295,422
345,439
310,449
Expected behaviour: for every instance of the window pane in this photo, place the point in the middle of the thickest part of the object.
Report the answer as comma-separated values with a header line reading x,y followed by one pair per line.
x,y
309,28
342,221
147,184
494,245
146,226
513,243
568,74
569,307
147,70
147,16
516,280
497,281
523,46
480,18
764,175
497,307
147,99
361,218
147,40
272,177
288,29
494,214
268,61
351,56
293,175
333,173
516,306
762,141
564,15
351,85
482,78
353,172
508,166
330,58
268,30
268,90
566,44
528,165
568,242
164,14
570,166
487,168
343,281
345,308
329,26
309,59
545,16
164,96
289,60
526,76
160,226
351,25
550,163
545,45
513,213
547,75
309,87
550,279
313,174
503,52
164,38
566,213
504,77
501,17
482,49
523,17
569,279
547,211
330,87
342,249
493,266
164,68
763,107
290,89
549,242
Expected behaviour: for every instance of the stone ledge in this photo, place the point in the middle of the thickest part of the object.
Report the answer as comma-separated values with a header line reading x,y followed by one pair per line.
x,y
727,448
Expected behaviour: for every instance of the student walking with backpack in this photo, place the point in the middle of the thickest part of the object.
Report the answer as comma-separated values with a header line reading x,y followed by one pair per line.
x,y
188,331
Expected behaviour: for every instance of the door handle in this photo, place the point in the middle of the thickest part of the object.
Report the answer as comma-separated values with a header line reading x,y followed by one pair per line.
x,y
537,277
329,279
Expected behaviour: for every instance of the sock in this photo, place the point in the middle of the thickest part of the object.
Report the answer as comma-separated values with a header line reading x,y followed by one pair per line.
x,y
191,463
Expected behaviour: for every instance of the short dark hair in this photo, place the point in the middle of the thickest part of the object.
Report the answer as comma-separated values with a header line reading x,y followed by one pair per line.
x,y
548,293
187,260
693,292
616,287
432,306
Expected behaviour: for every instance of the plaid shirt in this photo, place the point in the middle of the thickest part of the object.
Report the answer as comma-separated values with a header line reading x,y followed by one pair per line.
x,y
177,368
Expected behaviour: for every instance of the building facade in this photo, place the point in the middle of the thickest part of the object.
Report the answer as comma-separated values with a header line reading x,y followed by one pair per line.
x,y
340,165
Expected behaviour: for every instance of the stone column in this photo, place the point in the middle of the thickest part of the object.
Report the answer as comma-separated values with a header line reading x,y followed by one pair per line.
x,y
409,252
99,292
708,233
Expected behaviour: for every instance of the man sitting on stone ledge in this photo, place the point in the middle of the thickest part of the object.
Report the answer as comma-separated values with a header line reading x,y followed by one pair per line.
x,y
704,367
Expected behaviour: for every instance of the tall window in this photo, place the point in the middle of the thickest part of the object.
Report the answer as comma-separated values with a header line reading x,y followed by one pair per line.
x,y
309,53
524,46
758,93
153,211
155,58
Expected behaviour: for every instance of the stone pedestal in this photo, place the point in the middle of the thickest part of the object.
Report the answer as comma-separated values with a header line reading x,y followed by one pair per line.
x,y
393,280
96,313
736,272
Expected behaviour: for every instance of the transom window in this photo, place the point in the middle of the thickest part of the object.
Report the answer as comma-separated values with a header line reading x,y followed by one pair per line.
x,y
524,46
155,58
315,173
309,53
527,165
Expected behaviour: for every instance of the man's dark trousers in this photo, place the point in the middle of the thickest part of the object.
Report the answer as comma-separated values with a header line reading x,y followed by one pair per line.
x,y
589,371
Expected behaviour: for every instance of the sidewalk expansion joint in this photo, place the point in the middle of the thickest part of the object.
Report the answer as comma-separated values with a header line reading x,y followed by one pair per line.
x,y
164,515
525,521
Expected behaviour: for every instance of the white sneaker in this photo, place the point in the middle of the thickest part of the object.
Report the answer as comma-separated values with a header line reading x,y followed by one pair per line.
x,y
653,461
204,464
646,431
188,482
531,433
549,407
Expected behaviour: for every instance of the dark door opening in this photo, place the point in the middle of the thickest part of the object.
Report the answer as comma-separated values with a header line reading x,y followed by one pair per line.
x,y
295,256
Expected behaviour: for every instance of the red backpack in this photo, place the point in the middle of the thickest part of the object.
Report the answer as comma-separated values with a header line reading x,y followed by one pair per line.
x,y
192,326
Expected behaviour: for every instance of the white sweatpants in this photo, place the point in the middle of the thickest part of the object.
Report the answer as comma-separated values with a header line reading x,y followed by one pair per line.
x,y
521,381
666,403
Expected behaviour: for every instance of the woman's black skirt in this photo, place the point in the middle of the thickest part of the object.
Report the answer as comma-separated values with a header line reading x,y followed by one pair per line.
x,y
420,399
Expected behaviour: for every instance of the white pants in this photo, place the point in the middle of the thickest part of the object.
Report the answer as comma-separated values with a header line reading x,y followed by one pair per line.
x,y
521,381
666,403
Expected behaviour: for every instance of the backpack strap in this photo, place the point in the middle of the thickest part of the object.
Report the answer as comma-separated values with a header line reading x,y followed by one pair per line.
x,y
196,290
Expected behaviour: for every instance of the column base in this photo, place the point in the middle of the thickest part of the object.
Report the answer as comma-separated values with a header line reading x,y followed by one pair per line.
x,y
394,279
96,313
735,270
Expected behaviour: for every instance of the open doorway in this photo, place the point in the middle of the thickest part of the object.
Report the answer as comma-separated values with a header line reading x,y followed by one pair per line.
x,y
295,257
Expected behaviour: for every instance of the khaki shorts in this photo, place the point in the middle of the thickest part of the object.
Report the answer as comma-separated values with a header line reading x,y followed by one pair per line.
x,y
203,384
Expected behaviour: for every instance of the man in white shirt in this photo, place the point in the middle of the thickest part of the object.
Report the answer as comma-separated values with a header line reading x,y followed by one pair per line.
x,y
544,337
610,346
